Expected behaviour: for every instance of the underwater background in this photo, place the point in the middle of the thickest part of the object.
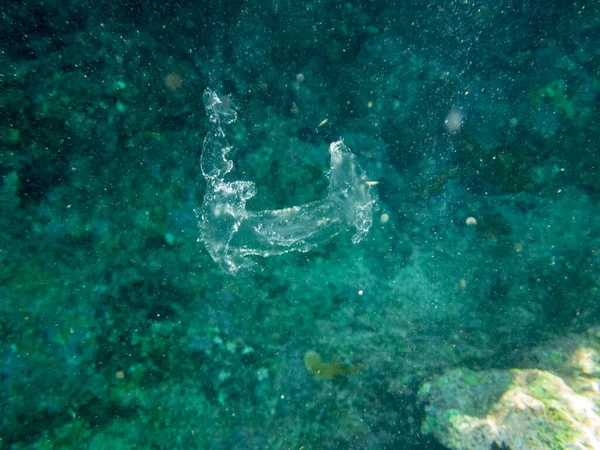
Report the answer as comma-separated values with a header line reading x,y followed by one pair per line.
x,y
467,317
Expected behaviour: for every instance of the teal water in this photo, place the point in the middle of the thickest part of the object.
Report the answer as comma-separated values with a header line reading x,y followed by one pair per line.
x,y
440,277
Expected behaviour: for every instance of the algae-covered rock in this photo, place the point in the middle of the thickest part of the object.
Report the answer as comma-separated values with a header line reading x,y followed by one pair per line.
x,y
514,409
